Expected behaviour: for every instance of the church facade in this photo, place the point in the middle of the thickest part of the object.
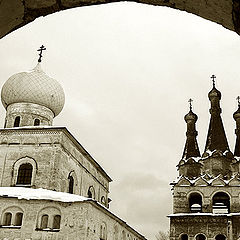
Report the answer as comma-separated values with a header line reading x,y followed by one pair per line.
x,y
206,195
51,187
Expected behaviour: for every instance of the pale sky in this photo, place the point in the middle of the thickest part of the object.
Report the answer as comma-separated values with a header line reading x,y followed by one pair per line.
x,y
128,71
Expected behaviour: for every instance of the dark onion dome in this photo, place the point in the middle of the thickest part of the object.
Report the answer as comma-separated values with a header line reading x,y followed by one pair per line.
x,y
191,116
236,115
214,93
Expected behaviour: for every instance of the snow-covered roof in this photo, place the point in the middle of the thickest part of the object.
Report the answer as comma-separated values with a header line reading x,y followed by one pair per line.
x,y
40,194
203,214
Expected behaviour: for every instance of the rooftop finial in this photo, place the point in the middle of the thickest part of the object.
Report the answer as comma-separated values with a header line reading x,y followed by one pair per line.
x,y
213,79
41,49
190,104
238,99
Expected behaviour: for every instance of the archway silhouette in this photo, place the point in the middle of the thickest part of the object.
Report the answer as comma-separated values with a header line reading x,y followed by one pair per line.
x,y
16,13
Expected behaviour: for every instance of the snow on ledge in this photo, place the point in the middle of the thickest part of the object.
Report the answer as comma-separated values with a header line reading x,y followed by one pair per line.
x,y
40,194
203,214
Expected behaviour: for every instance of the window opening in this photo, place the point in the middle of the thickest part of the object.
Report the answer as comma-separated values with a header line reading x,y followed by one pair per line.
x,y
25,174
71,184
195,202
17,122
221,203
91,192
220,237
44,222
7,219
184,237
56,222
200,237
18,219
36,122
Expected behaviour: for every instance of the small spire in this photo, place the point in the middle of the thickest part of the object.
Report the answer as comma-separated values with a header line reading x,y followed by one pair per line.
x,y
213,80
190,104
236,117
191,147
41,49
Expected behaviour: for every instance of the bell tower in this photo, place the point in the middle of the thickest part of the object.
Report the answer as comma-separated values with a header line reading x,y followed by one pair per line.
x,y
206,193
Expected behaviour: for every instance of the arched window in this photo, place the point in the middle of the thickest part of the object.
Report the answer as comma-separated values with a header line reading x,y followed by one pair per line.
x,y
18,219
115,233
7,219
220,237
44,221
17,121
56,222
184,237
24,174
200,237
91,192
103,200
36,122
123,235
71,184
221,203
103,232
195,202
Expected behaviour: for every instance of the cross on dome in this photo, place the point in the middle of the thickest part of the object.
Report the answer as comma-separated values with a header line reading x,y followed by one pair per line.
x,y
238,99
213,79
190,104
41,49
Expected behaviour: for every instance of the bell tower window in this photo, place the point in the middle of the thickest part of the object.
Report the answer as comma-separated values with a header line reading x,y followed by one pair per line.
x,y
71,184
24,174
36,122
17,121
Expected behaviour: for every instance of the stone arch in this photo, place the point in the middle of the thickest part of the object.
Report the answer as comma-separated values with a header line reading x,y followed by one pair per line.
x,y
183,236
195,201
13,213
220,237
200,236
72,182
91,192
16,14
49,213
18,163
221,202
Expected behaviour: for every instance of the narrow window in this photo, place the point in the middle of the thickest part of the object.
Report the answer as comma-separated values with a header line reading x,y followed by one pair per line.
x,y
71,184
18,219
103,200
56,222
91,192
25,174
123,235
36,122
17,122
44,221
7,219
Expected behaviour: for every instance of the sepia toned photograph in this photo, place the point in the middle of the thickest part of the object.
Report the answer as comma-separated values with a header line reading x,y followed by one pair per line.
x,y
120,120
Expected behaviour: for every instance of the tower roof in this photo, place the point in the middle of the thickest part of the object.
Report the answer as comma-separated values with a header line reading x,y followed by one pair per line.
x,y
216,138
33,87
191,147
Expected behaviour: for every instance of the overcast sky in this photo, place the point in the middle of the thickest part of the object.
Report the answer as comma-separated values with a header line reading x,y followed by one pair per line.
x,y
128,71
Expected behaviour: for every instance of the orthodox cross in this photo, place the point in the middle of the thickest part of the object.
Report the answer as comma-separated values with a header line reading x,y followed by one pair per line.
x,y
213,79
41,49
190,103
238,99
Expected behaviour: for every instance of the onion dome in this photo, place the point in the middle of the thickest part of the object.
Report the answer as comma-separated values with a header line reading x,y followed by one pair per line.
x,y
236,115
214,93
191,117
33,87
